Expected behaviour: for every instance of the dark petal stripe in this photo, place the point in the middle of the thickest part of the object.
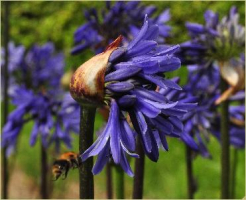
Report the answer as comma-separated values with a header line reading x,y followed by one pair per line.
x,y
122,74
120,87
160,81
116,54
126,101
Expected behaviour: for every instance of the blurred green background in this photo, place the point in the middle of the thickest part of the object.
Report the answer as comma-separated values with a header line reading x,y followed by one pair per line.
x,y
39,22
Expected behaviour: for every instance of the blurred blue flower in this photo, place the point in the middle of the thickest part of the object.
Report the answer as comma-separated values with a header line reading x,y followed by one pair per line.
x,y
122,18
15,58
134,73
214,47
215,40
16,54
38,98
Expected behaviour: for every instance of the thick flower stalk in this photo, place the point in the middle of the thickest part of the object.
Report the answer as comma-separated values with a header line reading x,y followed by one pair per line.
x,y
125,17
126,81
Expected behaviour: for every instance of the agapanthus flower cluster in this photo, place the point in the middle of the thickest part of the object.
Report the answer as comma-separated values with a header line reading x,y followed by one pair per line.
x,y
212,45
15,57
130,81
122,18
217,46
38,98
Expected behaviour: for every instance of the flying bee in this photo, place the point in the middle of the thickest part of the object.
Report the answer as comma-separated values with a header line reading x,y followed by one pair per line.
x,y
62,165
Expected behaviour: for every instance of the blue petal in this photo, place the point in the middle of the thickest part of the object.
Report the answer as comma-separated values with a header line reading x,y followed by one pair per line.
x,y
127,136
147,109
101,141
148,94
116,54
125,165
161,105
122,74
140,35
115,133
160,81
141,48
126,101
189,141
102,160
120,86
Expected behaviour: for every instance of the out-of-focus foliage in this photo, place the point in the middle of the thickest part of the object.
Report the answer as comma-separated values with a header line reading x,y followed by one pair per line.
x,y
41,21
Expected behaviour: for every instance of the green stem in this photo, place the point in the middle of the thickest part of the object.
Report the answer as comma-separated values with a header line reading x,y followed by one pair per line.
x,y
119,183
189,168
233,172
87,118
139,173
109,181
225,142
44,170
4,161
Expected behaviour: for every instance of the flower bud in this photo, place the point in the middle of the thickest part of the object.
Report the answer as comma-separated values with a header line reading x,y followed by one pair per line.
x,y
87,83
234,76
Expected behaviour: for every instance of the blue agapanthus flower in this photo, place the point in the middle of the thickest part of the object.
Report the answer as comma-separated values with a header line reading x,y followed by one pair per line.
x,y
16,54
15,58
197,122
38,98
133,83
213,46
122,18
210,44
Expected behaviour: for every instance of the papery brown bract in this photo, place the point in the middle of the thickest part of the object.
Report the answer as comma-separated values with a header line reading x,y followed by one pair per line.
x,y
87,83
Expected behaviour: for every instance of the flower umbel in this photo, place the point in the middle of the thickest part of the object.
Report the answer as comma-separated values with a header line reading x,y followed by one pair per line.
x,y
125,17
130,77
